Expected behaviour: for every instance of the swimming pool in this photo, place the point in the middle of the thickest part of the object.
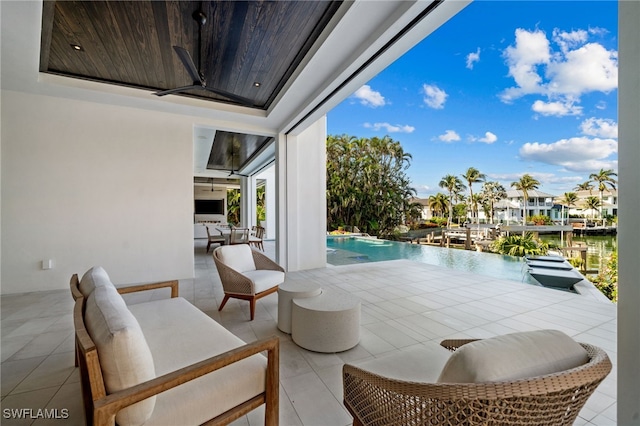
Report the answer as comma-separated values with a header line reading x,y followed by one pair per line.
x,y
349,250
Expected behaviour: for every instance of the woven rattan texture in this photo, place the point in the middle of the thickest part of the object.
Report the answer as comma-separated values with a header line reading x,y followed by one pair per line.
x,y
234,282
554,399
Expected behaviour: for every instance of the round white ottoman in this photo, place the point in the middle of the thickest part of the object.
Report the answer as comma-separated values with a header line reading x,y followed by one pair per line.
x,y
286,293
329,322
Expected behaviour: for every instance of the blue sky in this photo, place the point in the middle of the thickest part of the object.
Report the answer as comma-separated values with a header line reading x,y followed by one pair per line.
x,y
507,87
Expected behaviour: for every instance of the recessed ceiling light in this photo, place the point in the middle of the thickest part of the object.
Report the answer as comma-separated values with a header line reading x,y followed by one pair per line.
x,y
77,47
257,84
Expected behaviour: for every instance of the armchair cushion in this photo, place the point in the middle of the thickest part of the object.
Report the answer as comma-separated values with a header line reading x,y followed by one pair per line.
x,y
264,279
237,257
184,335
125,357
513,356
94,277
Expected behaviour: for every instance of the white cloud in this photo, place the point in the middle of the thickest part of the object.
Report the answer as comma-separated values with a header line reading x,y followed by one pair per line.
x,y
390,128
600,127
575,154
587,69
544,178
473,58
434,96
449,136
568,40
531,49
562,75
369,97
557,108
488,138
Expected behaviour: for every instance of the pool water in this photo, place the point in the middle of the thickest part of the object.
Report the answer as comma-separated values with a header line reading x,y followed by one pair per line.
x,y
349,250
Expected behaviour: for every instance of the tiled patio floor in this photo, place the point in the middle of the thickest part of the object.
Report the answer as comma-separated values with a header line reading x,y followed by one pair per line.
x,y
404,304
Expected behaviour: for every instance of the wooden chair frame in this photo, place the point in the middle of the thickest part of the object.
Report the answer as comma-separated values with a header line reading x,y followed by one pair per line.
x,y
101,408
238,286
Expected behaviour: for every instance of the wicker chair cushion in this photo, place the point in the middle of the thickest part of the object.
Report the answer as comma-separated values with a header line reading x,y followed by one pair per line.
x,y
94,277
264,279
125,357
513,356
237,257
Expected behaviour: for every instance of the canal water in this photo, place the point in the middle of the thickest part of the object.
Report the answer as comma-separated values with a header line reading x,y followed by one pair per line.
x,y
599,247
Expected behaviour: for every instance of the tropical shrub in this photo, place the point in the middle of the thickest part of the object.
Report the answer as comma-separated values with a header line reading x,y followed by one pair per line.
x,y
540,220
607,280
576,262
518,245
437,222
233,206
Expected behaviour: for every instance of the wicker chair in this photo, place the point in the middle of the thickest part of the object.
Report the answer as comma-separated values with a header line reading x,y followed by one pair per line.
x,y
553,399
246,274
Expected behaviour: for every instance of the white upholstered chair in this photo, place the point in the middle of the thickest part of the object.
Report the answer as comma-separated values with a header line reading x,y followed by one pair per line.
x,y
246,274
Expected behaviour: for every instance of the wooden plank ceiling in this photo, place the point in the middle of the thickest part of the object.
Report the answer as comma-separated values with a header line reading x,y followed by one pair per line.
x,y
248,48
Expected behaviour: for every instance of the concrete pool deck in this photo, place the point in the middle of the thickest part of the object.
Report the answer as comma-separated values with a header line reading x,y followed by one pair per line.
x,y
404,304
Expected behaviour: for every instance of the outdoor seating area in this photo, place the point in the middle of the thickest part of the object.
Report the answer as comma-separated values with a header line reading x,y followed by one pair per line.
x,y
164,361
426,305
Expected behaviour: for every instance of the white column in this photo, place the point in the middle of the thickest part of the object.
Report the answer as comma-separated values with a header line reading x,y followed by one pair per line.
x,y
302,205
628,230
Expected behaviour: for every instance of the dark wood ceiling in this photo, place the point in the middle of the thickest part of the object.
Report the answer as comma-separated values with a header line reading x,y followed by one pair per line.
x,y
232,151
130,43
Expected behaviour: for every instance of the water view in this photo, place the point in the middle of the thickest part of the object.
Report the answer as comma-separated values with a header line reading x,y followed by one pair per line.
x,y
349,250
599,247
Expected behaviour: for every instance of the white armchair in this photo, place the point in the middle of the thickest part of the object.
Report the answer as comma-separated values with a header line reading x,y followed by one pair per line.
x,y
246,274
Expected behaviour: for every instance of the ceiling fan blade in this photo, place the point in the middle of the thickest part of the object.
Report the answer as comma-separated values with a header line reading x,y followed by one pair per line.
x,y
231,96
185,57
178,90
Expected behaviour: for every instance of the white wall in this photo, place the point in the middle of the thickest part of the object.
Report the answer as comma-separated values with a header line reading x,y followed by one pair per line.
x,y
302,202
90,184
628,230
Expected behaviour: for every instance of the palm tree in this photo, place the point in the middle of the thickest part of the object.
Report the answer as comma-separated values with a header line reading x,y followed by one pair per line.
x,y
585,186
603,179
593,203
493,192
453,185
569,199
438,203
525,184
472,176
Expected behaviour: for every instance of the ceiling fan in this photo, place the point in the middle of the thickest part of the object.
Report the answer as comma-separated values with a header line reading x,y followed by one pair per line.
x,y
199,82
234,172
